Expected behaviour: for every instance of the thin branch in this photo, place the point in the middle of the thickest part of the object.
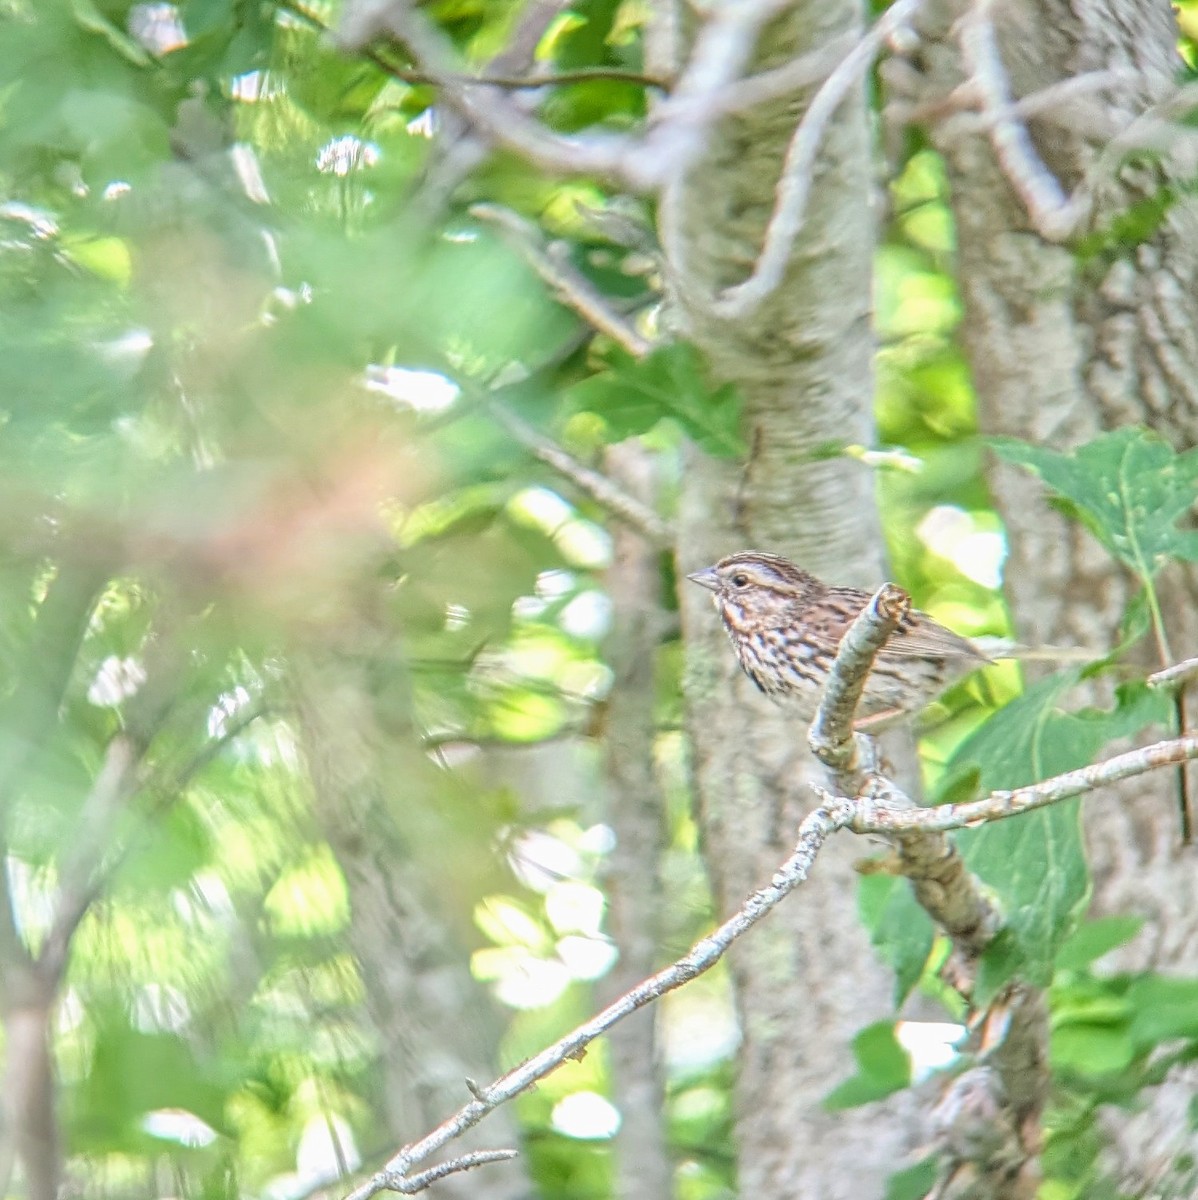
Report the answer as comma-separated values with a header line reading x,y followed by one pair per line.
x,y
702,956
874,817
506,82
568,283
831,738
88,876
487,109
721,50
1175,676
1054,215
523,82
942,884
114,784
798,171
863,815
589,481
467,1162
802,72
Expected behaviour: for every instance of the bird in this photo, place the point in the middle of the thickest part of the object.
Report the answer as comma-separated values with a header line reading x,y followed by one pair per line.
x,y
786,625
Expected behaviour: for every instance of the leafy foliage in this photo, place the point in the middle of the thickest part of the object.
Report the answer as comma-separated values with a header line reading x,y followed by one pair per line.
x,y
1037,864
1128,487
883,1067
634,395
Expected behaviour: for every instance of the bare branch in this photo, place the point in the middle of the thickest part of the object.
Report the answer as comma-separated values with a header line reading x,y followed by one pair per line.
x,y
701,957
496,80
943,886
1053,214
871,817
86,874
113,786
722,49
802,72
1178,675
569,284
831,737
591,482
467,1162
794,185
864,815
487,109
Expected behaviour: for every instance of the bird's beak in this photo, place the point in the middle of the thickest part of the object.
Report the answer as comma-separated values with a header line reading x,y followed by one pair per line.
x,y
706,578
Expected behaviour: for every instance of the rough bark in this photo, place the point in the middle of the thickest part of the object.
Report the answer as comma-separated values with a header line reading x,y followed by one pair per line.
x,y
637,814
806,981
1061,348
377,809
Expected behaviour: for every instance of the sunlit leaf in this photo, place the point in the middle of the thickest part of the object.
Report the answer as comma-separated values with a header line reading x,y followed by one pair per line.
x,y
1036,862
883,1067
1129,487
635,394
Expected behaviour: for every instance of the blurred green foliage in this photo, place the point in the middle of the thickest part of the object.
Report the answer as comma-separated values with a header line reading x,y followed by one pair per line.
x,y
247,358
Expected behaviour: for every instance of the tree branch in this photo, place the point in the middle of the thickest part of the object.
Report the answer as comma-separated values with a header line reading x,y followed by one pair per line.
x,y
589,481
943,886
863,815
873,817
701,957
568,284
114,784
832,738
798,171
467,1162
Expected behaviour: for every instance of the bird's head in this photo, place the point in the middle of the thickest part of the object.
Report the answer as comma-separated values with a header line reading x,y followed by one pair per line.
x,y
753,588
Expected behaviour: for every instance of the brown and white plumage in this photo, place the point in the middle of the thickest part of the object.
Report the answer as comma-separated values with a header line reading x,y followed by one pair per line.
x,y
785,626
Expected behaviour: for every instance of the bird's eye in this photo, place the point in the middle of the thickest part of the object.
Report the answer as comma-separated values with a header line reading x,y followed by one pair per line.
x,y
740,580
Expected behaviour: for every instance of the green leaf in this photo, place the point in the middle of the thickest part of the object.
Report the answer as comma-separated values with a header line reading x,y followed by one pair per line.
x,y
88,16
1129,487
1163,1009
913,1183
1035,862
899,928
1086,1049
1096,938
635,394
883,1067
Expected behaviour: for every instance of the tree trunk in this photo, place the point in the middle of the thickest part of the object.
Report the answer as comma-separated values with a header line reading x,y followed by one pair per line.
x,y
377,809
806,981
637,813
1061,349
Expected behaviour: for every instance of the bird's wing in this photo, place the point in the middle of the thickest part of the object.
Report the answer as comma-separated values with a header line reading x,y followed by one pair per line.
x,y
918,636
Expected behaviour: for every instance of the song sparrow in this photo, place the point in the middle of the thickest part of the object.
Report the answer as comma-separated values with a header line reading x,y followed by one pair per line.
x,y
785,626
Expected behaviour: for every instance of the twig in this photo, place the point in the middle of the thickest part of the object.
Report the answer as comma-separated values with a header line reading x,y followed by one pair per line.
x,y
871,817
862,815
831,738
1178,675
959,111
701,957
591,482
794,185
1054,215
506,82
570,285
114,784
790,77
85,882
479,1158
722,48
942,884
486,109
